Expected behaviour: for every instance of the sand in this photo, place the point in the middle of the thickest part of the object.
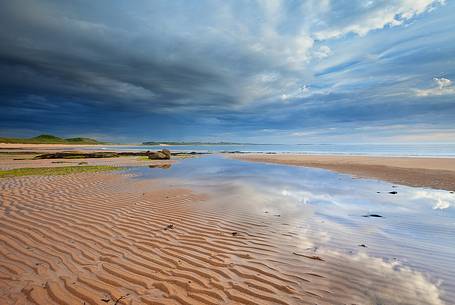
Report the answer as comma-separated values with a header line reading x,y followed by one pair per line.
x,y
109,238
98,238
105,238
438,173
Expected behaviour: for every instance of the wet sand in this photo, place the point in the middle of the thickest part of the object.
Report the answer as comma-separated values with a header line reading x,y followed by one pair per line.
x,y
438,173
108,238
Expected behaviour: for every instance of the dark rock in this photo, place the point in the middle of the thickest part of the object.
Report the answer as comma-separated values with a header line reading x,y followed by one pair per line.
x,y
234,233
393,192
164,166
77,155
159,155
363,246
168,227
372,215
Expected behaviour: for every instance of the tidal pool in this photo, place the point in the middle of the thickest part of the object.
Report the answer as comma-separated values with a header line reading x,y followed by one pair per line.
x,y
394,232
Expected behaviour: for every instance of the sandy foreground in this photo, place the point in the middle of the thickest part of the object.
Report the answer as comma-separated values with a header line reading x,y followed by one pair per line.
x,y
438,173
108,238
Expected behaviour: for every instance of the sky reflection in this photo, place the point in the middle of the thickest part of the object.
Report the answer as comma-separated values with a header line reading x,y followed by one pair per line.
x,y
413,241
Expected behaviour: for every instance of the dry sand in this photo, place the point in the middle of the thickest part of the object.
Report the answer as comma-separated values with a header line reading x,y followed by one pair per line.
x,y
438,173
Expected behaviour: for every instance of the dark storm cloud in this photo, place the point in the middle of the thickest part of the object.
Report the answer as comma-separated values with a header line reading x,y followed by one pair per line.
x,y
203,68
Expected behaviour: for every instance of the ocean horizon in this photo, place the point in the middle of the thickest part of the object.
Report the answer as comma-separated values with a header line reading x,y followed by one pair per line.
x,y
415,149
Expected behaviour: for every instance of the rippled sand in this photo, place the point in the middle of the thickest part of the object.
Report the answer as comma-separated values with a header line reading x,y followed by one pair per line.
x,y
106,238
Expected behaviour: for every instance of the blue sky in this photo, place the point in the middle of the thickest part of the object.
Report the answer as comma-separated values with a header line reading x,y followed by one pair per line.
x,y
248,71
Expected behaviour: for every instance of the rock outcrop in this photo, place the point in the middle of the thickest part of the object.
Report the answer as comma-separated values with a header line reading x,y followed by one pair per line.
x,y
164,154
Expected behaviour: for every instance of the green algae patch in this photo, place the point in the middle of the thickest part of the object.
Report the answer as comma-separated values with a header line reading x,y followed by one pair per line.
x,y
53,171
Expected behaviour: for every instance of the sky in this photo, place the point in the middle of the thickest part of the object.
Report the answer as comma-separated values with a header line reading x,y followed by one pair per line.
x,y
245,71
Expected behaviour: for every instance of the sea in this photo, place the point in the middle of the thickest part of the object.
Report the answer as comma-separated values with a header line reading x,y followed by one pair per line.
x,y
417,150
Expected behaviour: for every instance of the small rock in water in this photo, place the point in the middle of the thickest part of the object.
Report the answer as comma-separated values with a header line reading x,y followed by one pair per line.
x,y
363,246
393,192
372,215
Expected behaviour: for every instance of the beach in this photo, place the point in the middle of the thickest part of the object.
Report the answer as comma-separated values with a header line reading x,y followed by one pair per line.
x,y
438,173
181,232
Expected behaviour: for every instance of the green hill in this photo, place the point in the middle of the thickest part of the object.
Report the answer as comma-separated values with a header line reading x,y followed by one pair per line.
x,y
50,139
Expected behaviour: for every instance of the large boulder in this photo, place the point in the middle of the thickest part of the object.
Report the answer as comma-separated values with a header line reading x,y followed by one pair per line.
x,y
164,154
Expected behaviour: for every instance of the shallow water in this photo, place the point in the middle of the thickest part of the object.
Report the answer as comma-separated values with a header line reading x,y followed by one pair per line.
x,y
412,241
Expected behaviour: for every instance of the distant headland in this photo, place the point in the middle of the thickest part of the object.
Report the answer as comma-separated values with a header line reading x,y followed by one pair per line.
x,y
50,139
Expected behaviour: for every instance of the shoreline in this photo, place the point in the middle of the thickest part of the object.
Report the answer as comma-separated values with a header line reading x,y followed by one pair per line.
x,y
431,172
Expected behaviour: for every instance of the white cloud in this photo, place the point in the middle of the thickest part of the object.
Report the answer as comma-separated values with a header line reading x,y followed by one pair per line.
x,y
443,86
365,18
322,52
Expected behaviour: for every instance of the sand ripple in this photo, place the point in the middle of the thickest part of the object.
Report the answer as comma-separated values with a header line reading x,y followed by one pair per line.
x,y
107,239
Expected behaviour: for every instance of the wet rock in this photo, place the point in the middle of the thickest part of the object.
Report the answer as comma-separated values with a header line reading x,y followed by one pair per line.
x,y
164,166
77,155
372,215
393,192
164,154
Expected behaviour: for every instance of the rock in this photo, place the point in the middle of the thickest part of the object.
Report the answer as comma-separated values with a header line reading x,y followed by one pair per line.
x,y
167,153
393,192
372,215
165,166
159,155
77,155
